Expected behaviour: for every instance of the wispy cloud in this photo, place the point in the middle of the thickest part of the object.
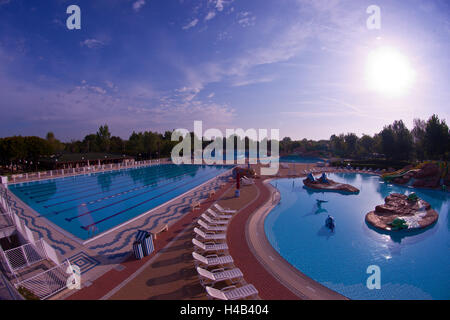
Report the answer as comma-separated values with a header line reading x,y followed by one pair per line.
x,y
246,19
92,43
210,15
138,5
191,24
241,83
220,4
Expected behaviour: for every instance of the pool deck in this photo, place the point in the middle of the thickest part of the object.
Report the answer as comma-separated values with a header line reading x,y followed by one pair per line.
x,y
169,273
110,271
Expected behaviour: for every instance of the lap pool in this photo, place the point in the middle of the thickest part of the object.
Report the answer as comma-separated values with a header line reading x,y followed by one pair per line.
x,y
94,203
414,265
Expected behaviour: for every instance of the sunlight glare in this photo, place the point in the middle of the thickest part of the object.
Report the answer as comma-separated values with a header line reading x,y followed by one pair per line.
x,y
389,72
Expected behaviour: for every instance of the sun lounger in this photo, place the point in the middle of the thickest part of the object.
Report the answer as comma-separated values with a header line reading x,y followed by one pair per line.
x,y
212,259
247,182
210,235
210,246
195,205
218,216
219,274
224,210
207,227
213,221
159,229
232,292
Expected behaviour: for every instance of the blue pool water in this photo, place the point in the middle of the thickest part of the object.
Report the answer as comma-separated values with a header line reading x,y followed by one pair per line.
x,y
414,265
98,202
299,159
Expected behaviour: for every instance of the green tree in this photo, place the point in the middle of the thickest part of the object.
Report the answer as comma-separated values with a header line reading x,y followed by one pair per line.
x,y
366,145
436,139
418,134
397,141
103,138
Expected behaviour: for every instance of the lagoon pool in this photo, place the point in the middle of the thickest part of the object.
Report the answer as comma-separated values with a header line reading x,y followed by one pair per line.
x,y
414,265
87,205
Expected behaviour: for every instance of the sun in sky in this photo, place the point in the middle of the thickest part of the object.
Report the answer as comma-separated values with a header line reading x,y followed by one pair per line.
x,y
389,72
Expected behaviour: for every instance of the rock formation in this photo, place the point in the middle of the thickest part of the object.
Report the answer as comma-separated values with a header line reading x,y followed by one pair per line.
x,y
402,212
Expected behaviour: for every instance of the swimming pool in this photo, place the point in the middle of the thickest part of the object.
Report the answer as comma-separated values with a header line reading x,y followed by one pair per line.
x,y
91,204
300,159
414,265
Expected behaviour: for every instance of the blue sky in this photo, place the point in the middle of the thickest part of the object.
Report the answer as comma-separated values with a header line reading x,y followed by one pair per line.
x,y
295,65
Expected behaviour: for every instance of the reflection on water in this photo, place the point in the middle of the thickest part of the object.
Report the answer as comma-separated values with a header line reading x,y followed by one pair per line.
x,y
85,205
415,264
326,232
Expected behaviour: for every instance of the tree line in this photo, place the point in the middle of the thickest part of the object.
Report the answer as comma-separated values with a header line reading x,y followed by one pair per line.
x,y
427,140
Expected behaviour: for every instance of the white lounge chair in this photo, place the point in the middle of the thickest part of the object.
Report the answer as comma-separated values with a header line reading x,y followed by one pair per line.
x,y
227,210
210,235
247,182
219,274
210,246
219,216
213,221
207,227
212,259
232,292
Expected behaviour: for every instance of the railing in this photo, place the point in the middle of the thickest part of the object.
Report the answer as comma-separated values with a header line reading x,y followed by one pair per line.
x,y
47,283
81,170
25,255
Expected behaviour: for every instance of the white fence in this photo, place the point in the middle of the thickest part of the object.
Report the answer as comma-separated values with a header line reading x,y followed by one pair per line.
x,y
29,253
25,255
44,284
47,283
80,170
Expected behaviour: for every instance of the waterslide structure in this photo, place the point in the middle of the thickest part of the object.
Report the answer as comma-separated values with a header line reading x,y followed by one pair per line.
x,y
400,173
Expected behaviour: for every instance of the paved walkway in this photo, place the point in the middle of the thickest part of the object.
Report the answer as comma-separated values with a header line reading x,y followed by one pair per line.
x,y
123,271
169,273
172,274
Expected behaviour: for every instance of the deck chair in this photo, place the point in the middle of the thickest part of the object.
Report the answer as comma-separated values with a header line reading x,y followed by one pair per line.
x,y
212,259
218,216
247,182
232,292
219,274
213,221
210,235
227,210
208,227
210,246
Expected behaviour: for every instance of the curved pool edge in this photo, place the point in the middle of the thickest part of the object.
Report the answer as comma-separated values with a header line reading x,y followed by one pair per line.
x,y
297,282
